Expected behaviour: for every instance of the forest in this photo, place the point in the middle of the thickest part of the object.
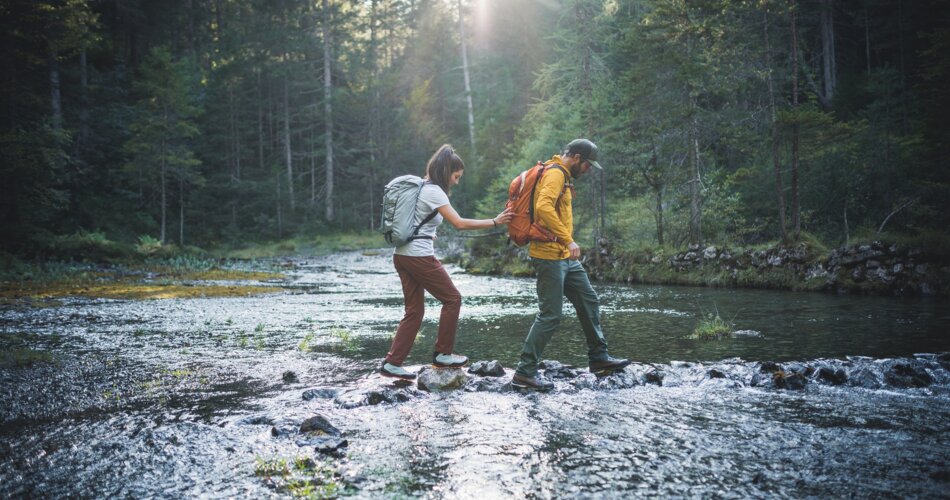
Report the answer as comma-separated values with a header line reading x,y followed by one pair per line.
x,y
222,123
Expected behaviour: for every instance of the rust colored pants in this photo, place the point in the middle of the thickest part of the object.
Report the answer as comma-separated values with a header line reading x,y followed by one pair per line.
x,y
419,275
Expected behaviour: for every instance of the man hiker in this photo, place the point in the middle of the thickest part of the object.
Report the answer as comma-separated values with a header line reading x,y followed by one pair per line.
x,y
560,273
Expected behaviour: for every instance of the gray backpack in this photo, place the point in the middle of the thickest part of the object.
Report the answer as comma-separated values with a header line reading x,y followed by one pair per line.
x,y
398,223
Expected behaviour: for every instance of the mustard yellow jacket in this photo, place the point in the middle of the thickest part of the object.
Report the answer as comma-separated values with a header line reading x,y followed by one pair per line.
x,y
560,219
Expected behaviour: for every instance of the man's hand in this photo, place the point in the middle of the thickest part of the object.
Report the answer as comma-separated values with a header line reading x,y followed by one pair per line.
x,y
575,250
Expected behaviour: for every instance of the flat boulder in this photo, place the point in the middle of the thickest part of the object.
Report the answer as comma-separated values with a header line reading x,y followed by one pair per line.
x,y
441,379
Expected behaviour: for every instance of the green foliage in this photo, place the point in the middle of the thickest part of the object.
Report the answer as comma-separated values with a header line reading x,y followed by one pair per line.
x,y
712,327
301,477
188,136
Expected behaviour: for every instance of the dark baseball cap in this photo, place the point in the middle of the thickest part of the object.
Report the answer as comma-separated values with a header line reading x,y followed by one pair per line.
x,y
587,150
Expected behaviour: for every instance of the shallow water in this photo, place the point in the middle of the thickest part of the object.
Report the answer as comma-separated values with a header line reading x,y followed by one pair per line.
x,y
179,397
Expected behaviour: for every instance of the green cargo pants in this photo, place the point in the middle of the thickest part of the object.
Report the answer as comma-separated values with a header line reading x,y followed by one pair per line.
x,y
558,279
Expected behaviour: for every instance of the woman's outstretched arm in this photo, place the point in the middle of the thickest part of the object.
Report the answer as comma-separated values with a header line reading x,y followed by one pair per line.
x,y
450,215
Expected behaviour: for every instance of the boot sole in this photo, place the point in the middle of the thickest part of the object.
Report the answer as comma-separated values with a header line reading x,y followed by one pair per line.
x,y
399,377
611,369
531,387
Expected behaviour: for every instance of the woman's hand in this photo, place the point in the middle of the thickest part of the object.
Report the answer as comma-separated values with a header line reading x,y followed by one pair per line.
x,y
503,218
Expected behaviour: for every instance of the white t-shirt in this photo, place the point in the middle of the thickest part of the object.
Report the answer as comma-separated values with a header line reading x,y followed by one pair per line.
x,y
430,199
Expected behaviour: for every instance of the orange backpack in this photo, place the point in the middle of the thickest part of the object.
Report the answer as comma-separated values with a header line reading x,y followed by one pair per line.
x,y
522,228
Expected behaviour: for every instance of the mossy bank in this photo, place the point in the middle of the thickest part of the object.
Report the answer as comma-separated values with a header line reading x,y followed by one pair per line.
x,y
876,267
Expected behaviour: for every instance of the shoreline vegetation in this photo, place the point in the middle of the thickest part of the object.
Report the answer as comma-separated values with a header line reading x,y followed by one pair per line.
x,y
90,265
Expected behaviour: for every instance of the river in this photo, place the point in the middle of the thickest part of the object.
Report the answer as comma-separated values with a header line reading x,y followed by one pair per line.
x,y
202,397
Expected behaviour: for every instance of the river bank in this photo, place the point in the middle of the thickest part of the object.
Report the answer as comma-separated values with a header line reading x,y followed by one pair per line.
x,y
875,268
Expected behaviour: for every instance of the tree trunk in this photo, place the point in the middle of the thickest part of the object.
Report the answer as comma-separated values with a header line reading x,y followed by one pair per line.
x,y
260,124
313,163
280,221
56,102
287,151
828,51
162,238
659,214
83,101
181,211
776,163
468,87
328,109
695,194
236,171
373,113
796,207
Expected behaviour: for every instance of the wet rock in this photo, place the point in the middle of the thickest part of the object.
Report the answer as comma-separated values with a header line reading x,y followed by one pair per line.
x,y
357,398
319,425
255,420
654,376
769,367
714,373
441,379
557,370
790,381
831,375
907,375
622,379
492,384
863,376
320,393
289,377
284,427
487,368
323,444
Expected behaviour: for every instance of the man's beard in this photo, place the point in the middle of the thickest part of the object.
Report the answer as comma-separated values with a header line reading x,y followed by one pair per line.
x,y
576,170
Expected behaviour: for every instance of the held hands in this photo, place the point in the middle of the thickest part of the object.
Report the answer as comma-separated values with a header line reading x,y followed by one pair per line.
x,y
575,250
503,218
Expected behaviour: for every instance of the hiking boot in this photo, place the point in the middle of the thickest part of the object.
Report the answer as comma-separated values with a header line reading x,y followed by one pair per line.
x,y
440,360
536,383
609,364
393,371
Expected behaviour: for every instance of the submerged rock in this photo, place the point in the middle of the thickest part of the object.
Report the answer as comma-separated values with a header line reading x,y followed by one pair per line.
x,y
864,376
487,368
323,444
792,381
441,379
289,377
654,376
769,367
319,393
831,375
372,397
907,375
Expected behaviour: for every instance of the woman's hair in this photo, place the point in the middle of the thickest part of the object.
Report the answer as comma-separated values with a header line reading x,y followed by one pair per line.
x,y
442,165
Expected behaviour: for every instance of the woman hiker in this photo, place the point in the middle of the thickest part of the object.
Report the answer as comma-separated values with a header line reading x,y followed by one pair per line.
x,y
420,272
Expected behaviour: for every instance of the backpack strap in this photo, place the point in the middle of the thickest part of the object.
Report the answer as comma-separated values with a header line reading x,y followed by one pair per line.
x,y
557,202
416,232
